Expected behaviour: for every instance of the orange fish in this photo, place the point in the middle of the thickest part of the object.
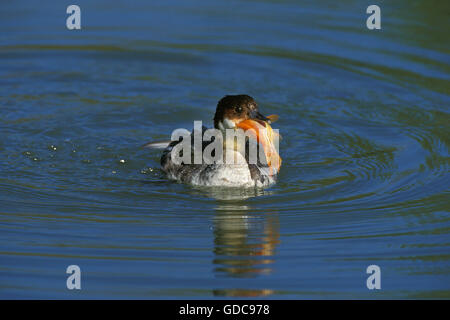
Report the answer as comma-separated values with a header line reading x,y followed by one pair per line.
x,y
264,134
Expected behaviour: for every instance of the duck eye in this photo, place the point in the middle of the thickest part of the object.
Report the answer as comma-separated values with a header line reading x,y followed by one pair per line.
x,y
238,109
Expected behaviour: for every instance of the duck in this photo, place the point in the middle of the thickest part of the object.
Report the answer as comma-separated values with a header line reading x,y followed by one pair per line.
x,y
233,113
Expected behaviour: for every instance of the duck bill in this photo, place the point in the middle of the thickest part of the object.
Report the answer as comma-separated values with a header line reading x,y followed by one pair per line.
x,y
259,116
265,136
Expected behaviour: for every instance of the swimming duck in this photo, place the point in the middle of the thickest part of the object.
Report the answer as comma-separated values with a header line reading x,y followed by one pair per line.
x,y
233,112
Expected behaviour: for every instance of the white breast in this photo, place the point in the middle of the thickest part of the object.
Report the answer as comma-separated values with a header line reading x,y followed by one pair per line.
x,y
229,175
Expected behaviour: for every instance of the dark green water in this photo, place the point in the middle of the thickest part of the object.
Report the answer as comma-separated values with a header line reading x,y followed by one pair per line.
x,y
364,117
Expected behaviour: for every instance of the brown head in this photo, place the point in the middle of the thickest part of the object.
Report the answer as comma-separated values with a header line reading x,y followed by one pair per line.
x,y
231,110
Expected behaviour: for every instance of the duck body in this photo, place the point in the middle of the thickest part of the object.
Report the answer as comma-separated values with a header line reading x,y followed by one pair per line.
x,y
238,174
230,113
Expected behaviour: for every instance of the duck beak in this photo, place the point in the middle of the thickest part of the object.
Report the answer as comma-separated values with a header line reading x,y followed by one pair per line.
x,y
265,136
256,115
259,116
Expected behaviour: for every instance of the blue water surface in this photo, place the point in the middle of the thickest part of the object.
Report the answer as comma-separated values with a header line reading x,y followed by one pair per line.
x,y
364,119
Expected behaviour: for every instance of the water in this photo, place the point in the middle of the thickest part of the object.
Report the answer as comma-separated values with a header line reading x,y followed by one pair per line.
x,y
364,117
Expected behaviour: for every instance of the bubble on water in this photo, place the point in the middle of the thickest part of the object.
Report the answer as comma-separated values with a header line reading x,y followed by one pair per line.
x,y
122,161
113,172
147,170
52,147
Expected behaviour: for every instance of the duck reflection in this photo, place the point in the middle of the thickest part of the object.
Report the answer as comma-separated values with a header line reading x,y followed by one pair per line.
x,y
244,245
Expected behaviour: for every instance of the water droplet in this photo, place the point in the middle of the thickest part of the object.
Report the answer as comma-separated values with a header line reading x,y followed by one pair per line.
x,y
122,161
146,170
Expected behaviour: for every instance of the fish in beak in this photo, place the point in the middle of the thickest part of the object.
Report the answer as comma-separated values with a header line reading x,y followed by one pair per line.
x,y
264,134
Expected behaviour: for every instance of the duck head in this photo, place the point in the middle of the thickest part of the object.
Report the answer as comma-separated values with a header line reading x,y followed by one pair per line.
x,y
241,112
